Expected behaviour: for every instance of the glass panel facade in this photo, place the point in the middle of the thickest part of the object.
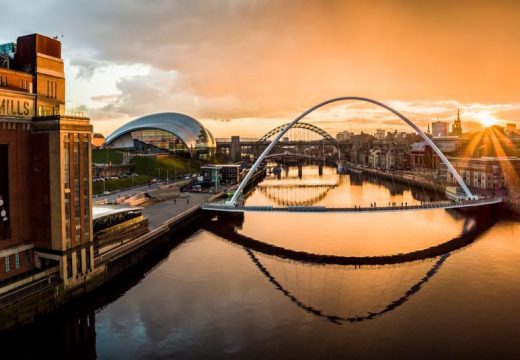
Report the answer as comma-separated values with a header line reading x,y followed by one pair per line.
x,y
156,140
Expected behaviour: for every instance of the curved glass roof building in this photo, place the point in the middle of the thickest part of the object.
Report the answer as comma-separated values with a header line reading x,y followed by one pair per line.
x,y
172,132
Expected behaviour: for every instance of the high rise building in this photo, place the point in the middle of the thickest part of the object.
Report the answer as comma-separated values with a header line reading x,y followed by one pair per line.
x,y
45,166
439,128
380,134
344,135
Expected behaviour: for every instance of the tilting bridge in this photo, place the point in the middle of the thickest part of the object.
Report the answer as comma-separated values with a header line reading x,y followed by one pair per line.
x,y
236,202
355,209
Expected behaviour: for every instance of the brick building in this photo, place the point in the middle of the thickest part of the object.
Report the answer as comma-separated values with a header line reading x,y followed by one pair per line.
x,y
45,172
487,173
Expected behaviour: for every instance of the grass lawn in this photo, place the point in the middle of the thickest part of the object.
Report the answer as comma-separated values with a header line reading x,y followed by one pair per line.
x,y
99,156
174,164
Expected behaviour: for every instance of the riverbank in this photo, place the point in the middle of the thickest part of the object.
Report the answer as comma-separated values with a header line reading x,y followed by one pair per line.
x,y
43,292
406,180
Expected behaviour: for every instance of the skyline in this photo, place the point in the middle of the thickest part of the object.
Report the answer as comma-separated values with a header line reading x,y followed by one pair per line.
x,y
252,66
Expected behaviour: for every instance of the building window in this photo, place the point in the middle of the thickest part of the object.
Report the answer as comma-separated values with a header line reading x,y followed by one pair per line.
x,y
87,257
78,262
7,264
27,258
69,266
17,261
66,163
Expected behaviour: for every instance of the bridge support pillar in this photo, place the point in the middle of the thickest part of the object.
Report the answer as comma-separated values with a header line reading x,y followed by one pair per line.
x,y
300,171
320,169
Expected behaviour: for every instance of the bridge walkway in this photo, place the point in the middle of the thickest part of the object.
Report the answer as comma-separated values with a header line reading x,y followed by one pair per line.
x,y
356,209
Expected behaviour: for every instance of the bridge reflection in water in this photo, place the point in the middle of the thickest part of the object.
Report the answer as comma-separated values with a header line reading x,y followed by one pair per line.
x,y
342,190
332,192
348,289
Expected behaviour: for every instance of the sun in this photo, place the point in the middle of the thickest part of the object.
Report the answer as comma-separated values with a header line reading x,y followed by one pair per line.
x,y
486,119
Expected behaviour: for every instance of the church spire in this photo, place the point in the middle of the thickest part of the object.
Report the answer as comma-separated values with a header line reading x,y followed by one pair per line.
x,y
456,129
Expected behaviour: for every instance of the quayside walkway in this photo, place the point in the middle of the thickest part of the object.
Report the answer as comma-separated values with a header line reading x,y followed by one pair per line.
x,y
356,209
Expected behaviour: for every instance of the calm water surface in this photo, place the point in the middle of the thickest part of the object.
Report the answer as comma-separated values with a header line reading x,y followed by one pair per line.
x,y
211,297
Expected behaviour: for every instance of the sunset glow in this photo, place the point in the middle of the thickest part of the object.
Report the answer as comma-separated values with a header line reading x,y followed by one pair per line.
x,y
486,119
258,64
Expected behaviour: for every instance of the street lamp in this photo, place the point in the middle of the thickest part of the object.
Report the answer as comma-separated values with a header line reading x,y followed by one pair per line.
x,y
159,169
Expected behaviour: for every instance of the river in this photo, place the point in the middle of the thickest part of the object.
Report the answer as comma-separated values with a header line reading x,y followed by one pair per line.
x,y
207,295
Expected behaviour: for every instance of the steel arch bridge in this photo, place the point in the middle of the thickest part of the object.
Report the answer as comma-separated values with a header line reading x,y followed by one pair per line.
x,y
234,201
302,125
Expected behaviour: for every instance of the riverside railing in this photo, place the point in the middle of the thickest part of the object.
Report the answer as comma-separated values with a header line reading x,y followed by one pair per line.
x,y
432,205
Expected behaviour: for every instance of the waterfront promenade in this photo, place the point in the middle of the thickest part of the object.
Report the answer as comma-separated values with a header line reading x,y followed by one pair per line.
x,y
161,212
42,292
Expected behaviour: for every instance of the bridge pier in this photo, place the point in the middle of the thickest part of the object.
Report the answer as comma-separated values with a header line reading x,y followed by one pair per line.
x,y
320,169
300,171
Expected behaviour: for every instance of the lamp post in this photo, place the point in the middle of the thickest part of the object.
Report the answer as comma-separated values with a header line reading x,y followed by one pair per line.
x,y
159,170
167,173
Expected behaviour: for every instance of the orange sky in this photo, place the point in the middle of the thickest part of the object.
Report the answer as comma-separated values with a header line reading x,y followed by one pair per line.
x,y
260,63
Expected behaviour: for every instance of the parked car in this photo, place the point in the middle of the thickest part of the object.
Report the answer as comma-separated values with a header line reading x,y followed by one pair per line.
x,y
196,188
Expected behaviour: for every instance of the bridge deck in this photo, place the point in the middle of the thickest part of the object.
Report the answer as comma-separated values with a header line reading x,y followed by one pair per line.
x,y
319,209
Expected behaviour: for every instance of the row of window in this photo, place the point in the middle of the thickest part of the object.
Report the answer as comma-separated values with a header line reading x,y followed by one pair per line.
x,y
25,85
73,190
52,89
12,262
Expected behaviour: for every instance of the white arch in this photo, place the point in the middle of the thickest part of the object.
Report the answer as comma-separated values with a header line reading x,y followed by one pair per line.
x,y
240,189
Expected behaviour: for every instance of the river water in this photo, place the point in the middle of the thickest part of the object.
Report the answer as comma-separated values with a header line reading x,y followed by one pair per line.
x,y
209,296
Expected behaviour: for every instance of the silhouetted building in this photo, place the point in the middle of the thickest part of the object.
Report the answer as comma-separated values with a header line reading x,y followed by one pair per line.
x,y
235,149
456,129
422,156
440,128
344,135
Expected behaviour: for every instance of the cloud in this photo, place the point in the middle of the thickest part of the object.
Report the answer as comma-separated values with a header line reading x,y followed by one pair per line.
x,y
266,59
86,67
106,98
